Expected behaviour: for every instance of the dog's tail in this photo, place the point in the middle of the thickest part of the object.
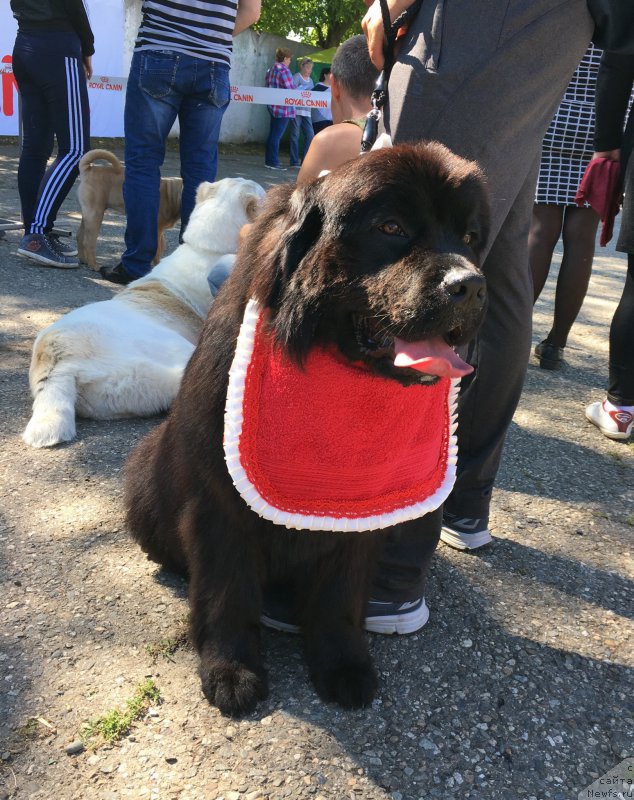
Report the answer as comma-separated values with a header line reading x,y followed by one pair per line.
x,y
100,155
54,393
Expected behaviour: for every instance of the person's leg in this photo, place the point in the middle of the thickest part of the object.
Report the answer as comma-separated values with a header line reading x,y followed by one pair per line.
x,y
463,83
58,71
200,117
152,103
276,131
294,143
489,396
621,387
37,129
542,238
579,235
309,134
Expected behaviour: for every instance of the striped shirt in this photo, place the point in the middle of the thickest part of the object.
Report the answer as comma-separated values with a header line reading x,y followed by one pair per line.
x,y
198,28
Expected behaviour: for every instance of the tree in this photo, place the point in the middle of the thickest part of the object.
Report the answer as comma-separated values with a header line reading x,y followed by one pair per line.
x,y
324,23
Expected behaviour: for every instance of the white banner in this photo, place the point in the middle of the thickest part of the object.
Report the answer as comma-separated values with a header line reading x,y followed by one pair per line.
x,y
9,93
106,95
293,98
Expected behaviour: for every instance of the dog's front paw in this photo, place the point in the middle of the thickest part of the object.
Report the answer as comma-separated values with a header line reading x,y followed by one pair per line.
x,y
349,683
233,688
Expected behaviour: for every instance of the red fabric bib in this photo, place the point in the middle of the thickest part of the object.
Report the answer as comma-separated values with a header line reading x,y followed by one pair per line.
x,y
333,446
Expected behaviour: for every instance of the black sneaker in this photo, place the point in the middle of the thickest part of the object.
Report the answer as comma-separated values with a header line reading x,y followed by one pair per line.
x,y
66,248
278,167
117,274
40,248
550,356
381,617
464,533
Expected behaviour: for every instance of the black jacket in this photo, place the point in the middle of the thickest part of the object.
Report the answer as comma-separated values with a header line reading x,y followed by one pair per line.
x,y
614,87
55,15
614,23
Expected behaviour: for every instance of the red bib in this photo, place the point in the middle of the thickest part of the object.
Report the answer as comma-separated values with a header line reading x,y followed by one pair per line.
x,y
332,446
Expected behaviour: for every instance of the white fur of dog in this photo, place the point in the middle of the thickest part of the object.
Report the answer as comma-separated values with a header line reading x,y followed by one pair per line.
x,y
125,356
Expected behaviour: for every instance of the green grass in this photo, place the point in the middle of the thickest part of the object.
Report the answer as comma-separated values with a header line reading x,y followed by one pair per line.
x,y
112,726
170,644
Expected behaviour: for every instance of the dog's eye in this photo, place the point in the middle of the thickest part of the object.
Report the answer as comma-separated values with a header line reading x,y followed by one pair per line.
x,y
470,238
392,228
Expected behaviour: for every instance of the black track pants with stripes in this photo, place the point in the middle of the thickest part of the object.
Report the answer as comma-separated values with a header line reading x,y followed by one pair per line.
x,y
54,106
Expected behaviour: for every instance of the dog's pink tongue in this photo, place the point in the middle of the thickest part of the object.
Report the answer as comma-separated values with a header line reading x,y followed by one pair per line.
x,y
432,356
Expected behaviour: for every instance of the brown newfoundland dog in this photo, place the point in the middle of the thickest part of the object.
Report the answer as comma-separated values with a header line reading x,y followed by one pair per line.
x,y
384,247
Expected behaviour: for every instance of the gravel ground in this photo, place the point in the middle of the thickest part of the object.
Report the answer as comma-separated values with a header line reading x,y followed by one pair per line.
x,y
519,687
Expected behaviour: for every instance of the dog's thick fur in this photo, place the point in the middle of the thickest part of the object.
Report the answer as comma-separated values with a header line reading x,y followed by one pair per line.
x,y
125,356
390,240
101,187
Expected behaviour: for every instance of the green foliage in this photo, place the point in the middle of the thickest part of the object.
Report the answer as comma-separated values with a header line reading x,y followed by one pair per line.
x,y
115,724
323,23
170,644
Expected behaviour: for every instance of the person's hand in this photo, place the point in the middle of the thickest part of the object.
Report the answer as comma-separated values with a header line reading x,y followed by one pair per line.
x,y
372,25
612,155
88,66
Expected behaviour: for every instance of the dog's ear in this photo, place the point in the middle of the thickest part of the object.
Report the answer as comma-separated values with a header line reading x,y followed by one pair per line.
x,y
205,191
302,227
252,207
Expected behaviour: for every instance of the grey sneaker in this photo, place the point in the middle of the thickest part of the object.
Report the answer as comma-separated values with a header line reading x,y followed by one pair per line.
x,y
64,245
40,248
385,617
381,617
464,533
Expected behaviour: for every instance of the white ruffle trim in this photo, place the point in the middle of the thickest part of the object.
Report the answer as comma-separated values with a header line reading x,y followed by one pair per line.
x,y
251,496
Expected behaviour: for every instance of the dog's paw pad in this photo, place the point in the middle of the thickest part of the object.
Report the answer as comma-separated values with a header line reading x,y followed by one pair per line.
x,y
234,690
350,684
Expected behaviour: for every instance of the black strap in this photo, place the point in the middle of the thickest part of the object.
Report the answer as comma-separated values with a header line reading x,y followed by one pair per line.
x,y
379,95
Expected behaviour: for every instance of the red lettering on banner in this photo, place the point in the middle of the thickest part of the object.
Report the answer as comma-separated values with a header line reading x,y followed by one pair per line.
x,y
317,104
294,101
242,98
9,86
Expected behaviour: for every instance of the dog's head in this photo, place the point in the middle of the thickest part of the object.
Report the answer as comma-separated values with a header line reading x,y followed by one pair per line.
x,y
380,258
221,209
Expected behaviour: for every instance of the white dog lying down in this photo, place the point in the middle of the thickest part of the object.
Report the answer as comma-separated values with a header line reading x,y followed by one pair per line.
x,y
125,356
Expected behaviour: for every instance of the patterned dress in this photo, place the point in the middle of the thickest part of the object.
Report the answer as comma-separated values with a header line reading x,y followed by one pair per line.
x,y
568,144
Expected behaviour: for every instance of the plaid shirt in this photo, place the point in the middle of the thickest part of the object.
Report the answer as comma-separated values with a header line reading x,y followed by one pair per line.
x,y
279,77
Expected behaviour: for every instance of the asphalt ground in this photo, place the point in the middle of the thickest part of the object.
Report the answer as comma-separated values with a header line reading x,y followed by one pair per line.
x,y
519,687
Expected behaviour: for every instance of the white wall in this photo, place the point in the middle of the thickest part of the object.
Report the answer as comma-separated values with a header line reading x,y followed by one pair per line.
x,y
253,54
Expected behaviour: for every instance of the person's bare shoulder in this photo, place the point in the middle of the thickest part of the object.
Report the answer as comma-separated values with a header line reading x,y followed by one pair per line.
x,y
331,147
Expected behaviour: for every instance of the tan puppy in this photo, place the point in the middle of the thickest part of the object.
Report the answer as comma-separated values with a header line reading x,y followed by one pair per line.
x,y
101,187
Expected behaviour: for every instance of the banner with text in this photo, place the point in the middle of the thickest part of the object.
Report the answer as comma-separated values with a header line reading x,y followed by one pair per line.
x,y
106,95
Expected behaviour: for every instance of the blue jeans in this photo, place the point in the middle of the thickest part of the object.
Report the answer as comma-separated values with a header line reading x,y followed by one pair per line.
x,y
219,273
164,85
306,126
272,149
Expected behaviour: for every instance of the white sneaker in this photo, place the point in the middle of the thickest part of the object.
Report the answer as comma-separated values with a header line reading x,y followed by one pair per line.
x,y
615,422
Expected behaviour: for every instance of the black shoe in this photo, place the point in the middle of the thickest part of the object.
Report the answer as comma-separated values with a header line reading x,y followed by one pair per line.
x,y
117,274
550,355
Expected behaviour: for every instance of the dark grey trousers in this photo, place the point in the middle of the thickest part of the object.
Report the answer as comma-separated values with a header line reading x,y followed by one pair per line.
x,y
484,77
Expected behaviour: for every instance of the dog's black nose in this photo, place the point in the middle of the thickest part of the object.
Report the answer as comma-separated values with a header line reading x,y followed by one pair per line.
x,y
468,288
